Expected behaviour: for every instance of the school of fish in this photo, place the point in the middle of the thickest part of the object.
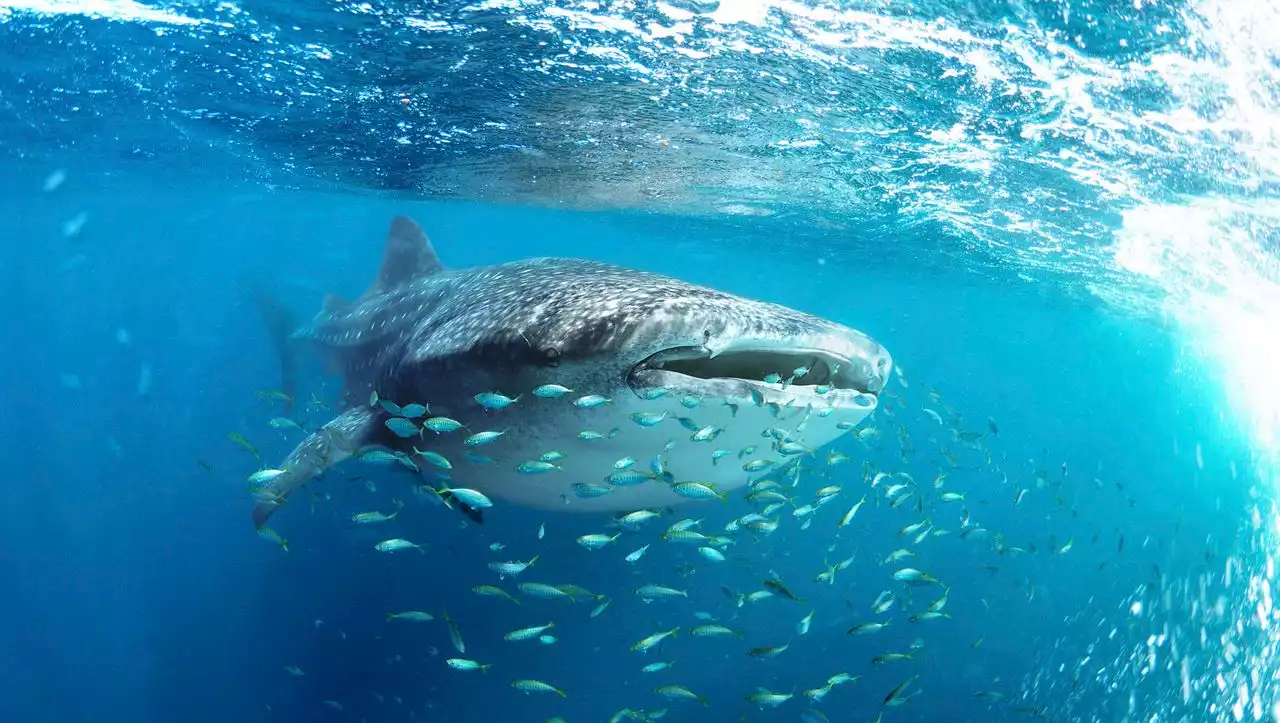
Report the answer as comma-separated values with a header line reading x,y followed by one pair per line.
x,y
821,496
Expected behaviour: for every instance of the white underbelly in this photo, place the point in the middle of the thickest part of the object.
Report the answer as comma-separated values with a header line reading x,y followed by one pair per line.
x,y
589,463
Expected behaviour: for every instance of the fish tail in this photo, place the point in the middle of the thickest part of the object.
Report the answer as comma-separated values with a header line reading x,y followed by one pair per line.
x,y
280,325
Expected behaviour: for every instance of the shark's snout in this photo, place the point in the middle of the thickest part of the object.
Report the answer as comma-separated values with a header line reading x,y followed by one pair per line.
x,y
871,364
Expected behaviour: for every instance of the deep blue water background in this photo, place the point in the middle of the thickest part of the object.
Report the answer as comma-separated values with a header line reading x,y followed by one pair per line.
x,y
135,589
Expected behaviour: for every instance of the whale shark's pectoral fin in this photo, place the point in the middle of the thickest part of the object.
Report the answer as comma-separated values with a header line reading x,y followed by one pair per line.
x,y
333,443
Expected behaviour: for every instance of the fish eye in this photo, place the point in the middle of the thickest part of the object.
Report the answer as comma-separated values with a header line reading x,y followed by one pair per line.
x,y
706,335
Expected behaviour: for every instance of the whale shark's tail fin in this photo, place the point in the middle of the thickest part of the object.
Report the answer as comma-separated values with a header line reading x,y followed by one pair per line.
x,y
280,325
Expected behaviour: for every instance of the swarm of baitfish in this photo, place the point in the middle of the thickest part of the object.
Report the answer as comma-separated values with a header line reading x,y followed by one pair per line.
x,y
791,486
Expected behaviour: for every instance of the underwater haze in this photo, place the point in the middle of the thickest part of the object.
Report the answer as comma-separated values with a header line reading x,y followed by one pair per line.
x,y
1060,218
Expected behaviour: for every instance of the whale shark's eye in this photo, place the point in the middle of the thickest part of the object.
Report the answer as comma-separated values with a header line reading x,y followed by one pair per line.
x,y
706,335
552,355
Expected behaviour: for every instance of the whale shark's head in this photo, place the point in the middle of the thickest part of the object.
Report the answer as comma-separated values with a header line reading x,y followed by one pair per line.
x,y
745,350
639,332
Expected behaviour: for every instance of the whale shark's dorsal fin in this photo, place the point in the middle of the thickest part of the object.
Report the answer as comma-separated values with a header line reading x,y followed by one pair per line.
x,y
408,256
334,303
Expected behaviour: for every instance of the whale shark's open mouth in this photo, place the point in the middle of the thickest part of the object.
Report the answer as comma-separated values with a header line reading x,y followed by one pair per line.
x,y
798,369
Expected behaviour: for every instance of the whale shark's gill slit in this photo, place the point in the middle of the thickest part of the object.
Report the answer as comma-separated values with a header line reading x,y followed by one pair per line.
x,y
757,364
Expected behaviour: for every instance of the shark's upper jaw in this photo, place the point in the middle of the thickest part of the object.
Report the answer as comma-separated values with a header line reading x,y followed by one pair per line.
x,y
852,379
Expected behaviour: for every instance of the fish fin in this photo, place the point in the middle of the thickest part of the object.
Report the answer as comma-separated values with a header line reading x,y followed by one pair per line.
x,y
476,515
333,303
333,443
280,325
408,256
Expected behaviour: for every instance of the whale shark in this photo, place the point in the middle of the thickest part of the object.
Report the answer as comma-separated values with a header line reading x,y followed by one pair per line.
x,y
571,384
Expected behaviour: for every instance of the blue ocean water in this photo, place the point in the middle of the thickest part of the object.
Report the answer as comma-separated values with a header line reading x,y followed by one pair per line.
x,y
1057,216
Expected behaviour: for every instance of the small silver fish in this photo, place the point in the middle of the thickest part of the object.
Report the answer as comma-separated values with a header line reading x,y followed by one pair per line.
x,y
648,419
402,428
511,569
802,627
371,518
626,477
590,401
463,664
528,633
711,554
435,458
551,391
413,411
396,544
597,541
494,401
455,634
477,458
651,393
469,497
587,491
697,491
656,667
440,425
706,434
413,616
264,476
543,590
480,438
535,467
